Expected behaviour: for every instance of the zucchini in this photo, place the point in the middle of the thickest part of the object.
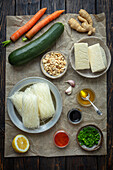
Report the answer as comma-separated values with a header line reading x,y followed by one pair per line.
x,y
38,46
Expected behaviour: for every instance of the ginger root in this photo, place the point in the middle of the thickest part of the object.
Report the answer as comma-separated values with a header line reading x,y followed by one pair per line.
x,y
75,25
86,25
84,14
88,28
82,19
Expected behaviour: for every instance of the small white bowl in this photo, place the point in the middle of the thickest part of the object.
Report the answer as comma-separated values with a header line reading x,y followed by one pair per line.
x,y
46,73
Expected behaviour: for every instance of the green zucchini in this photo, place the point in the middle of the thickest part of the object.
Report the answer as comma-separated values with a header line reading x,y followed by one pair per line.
x,y
38,46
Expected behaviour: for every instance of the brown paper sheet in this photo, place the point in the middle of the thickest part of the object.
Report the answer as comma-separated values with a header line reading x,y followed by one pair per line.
x,y
42,144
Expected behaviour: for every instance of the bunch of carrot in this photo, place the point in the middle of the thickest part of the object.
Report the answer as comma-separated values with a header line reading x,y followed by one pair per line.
x,y
31,23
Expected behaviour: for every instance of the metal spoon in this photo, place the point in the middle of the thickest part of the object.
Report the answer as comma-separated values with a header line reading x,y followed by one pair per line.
x,y
96,109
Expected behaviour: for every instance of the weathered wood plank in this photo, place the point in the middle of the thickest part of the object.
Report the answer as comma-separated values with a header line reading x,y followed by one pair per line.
x,y
89,6
86,162
27,7
49,4
22,7
28,163
13,8
52,163
73,6
82,163
106,6
6,8
3,12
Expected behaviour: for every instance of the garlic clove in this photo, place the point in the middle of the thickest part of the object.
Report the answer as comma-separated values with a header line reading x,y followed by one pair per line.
x,y
71,82
69,90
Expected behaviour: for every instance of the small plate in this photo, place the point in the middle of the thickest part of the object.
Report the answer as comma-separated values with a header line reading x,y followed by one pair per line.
x,y
46,73
95,147
22,85
88,73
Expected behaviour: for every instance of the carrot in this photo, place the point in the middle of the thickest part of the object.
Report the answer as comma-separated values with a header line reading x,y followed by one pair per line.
x,y
42,23
26,27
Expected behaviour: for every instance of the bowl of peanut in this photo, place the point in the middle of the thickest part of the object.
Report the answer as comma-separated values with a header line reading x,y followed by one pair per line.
x,y
54,64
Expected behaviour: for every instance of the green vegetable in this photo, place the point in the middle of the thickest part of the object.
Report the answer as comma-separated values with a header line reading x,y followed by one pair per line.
x,y
88,136
36,47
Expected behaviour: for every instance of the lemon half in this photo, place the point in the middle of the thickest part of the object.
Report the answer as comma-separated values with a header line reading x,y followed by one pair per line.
x,y
20,144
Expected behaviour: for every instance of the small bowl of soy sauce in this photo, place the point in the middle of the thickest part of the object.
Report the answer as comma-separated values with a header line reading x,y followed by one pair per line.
x,y
74,116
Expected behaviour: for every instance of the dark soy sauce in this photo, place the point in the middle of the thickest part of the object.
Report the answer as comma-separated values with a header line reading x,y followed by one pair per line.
x,y
74,115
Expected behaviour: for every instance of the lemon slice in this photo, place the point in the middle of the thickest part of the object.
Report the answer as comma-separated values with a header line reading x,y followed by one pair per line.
x,y
20,144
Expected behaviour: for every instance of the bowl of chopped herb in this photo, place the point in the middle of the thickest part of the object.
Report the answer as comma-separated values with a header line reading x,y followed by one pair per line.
x,y
89,137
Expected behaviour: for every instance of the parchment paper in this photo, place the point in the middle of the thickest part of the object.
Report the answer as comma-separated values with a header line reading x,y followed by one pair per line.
x,y
42,144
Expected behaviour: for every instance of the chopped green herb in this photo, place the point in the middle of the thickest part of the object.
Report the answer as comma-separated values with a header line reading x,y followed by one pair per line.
x,y
89,137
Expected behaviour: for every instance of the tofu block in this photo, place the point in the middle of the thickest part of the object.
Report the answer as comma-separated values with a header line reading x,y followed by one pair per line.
x,y
95,58
81,56
104,56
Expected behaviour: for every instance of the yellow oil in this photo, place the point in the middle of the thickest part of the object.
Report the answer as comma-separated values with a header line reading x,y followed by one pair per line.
x,y
85,102
83,94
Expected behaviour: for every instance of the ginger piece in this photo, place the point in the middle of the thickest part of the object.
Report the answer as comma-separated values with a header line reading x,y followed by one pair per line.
x,y
81,19
84,14
86,25
88,28
75,25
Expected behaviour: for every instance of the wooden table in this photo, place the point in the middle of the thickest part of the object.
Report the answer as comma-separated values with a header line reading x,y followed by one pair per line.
x,y
30,7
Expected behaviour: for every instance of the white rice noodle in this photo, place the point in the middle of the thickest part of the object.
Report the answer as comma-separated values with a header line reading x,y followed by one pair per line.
x,y
30,115
45,102
17,101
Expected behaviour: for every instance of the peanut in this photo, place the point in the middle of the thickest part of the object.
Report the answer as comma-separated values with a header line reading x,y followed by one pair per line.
x,y
54,63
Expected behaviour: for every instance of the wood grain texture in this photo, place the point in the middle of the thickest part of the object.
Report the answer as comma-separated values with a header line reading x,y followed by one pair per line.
x,y
105,162
6,8
52,163
28,7
82,163
86,162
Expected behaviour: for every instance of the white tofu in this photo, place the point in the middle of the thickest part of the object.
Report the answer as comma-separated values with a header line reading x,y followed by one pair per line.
x,y
95,58
104,56
81,56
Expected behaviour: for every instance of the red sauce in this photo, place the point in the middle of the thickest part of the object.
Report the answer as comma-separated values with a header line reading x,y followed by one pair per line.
x,y
61,138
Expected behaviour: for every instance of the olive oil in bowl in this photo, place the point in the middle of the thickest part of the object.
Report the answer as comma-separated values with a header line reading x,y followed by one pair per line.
x,y
86,102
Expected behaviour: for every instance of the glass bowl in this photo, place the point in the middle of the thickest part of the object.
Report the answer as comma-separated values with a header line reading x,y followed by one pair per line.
x,y
83,102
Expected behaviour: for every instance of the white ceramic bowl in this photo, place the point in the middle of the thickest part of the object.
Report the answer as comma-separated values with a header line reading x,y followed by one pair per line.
x,y
46,73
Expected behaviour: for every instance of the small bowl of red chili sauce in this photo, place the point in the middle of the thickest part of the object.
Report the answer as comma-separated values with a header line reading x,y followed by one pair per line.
x,y
61,139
